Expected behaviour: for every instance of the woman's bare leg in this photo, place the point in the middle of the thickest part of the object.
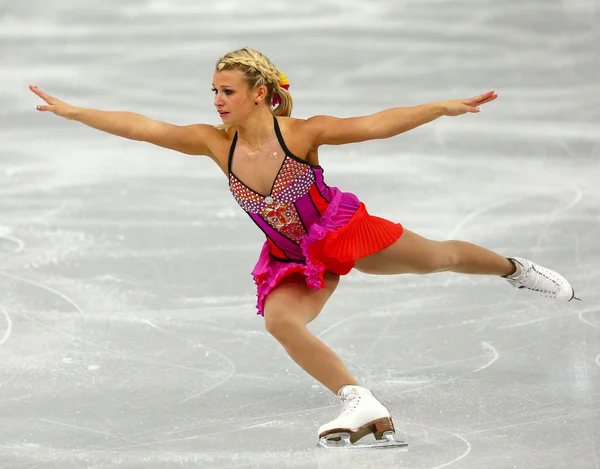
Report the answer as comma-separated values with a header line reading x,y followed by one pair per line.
x,y
413,254
288,309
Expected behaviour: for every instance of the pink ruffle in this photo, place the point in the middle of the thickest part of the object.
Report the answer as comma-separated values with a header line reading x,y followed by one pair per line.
x,y
268,272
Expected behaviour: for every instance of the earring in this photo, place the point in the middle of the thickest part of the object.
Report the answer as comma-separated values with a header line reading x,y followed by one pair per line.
x,y
256,103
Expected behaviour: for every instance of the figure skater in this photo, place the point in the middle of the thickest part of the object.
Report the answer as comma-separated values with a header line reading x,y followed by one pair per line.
x,y
315,233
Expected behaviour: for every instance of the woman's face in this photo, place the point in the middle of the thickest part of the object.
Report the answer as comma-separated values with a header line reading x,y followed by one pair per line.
x,y
233,99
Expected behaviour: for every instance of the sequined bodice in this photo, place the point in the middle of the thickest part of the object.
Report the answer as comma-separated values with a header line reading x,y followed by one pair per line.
x,y
297,197
293,181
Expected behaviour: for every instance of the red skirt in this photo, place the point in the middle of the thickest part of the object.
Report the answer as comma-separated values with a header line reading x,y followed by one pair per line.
x,y
334,251
364,235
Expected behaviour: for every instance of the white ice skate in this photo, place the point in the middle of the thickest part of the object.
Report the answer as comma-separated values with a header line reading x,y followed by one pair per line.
x,y
362,415
541,280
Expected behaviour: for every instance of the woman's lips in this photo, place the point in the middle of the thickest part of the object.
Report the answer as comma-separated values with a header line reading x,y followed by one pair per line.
x,y
221,113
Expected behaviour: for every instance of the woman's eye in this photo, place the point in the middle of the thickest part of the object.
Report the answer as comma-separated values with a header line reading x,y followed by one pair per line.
x,y
227,92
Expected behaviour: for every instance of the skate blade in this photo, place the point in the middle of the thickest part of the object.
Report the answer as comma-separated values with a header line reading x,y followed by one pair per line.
x,y
342,440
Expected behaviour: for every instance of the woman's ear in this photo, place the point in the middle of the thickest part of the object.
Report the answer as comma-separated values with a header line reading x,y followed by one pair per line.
x,y
262,93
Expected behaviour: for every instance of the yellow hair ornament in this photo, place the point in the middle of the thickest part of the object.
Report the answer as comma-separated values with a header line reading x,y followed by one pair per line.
x,y
283,83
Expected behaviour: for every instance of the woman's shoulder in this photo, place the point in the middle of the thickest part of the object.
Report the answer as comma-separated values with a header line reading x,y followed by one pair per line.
x,y
289,120
294,124
219,139
299,137
225,132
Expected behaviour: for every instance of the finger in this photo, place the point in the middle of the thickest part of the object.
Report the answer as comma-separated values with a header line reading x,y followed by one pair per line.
x,y
485,95
42,108
35,89
482,97
41,94
478,102
491,98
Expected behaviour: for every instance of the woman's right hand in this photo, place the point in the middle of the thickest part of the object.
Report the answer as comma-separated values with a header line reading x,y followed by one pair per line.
x,y
55,106
195,139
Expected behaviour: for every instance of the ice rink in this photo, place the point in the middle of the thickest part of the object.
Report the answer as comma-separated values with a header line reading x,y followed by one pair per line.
x,y
128,333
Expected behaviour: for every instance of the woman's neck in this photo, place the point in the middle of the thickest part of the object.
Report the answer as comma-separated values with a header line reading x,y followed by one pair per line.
x,y
257,128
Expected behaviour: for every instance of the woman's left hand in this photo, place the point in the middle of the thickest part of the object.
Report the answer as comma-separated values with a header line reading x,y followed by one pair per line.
x,y
457,107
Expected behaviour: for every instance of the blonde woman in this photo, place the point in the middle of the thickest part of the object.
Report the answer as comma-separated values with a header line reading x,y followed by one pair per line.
x,y
314,233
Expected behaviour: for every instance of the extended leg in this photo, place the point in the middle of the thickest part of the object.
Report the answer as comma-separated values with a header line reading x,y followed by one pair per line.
x,y
413,254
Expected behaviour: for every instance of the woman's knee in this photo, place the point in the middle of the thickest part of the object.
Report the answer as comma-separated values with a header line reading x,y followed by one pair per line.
x,y
439,257
449,256
292,305
282,324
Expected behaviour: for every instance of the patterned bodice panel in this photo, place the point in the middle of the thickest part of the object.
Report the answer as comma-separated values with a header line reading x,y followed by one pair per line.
x,y
292,182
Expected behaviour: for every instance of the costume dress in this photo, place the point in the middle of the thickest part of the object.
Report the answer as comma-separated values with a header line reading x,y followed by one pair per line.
x,y
310,227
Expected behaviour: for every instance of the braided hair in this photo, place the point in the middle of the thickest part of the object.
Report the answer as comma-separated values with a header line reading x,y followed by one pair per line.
x,y
259,70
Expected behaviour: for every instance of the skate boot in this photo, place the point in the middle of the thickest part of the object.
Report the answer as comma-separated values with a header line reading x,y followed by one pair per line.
x,y
362,415
541,280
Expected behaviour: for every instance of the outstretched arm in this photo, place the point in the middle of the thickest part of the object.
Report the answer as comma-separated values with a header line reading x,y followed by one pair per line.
x,y
329,130
191,139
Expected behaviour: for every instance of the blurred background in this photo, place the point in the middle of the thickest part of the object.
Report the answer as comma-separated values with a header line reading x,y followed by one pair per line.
x,y
128,334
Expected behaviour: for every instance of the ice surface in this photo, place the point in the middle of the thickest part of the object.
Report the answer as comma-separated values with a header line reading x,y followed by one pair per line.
x,y
128,334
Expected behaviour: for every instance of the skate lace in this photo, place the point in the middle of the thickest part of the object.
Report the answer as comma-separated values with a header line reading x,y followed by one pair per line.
x,y
541,282
350,400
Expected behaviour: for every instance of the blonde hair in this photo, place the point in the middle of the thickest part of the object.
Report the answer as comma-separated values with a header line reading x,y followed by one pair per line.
x,y
258,70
